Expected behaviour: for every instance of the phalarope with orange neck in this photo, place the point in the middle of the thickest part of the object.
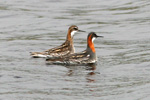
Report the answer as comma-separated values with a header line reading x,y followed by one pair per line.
x,y
87,56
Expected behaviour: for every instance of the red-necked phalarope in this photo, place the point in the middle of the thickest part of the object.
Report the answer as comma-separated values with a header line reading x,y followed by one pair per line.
x,y
65,49
85,57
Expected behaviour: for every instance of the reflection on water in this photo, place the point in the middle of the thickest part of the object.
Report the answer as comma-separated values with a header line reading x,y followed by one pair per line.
x,y
90,67
123,55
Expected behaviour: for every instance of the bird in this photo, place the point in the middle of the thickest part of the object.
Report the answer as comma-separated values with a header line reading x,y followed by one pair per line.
x,y
64,49
88,56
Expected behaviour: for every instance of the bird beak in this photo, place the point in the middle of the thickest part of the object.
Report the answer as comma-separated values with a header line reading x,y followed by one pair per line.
x,y
81,31
100,36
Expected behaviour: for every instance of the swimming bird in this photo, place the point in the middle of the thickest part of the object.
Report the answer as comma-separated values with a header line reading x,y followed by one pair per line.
x,y
65,49
87,56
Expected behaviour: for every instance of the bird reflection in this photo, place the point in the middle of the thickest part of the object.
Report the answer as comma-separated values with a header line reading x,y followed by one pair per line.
x,y
90,67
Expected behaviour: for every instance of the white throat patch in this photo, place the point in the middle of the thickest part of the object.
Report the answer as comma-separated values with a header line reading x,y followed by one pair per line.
x,y
72,33
93,39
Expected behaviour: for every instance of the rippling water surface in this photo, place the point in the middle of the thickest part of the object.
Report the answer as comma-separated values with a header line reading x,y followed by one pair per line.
x,y
123,70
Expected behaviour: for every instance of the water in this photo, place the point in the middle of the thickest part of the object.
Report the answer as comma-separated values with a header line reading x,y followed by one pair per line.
x,y
123,68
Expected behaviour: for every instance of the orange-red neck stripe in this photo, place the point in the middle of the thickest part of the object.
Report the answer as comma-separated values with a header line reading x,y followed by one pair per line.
x,y
90,43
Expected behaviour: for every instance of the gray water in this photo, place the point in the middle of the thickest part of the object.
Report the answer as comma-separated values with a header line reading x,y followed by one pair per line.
x,y
123,69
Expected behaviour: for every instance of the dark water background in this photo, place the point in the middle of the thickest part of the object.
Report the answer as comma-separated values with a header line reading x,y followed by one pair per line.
x,y
123,70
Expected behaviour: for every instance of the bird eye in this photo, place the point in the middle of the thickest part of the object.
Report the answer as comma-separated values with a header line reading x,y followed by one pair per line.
x,y
75,28
95,35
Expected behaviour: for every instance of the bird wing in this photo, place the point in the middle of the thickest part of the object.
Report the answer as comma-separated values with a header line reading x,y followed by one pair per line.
x,y
75,58
63,49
